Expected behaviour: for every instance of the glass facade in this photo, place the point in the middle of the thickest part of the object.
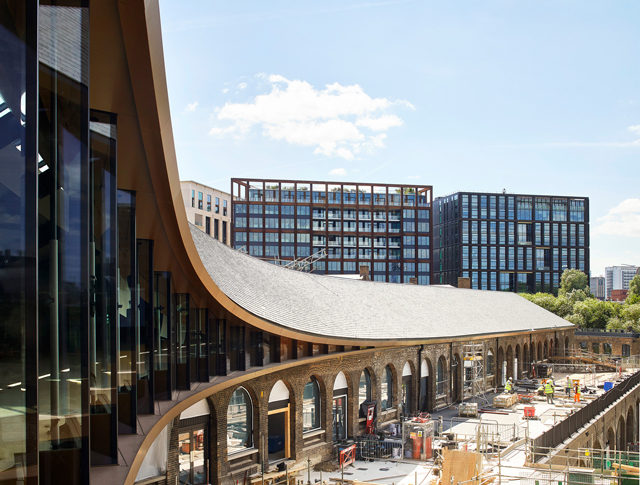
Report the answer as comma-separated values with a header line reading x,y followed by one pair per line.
x,y
513,248
345,227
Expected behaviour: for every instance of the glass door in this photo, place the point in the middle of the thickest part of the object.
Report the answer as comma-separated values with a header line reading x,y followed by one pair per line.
x,y
339,418
191,457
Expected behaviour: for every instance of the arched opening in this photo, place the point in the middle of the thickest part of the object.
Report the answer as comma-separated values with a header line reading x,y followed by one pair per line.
x,y
364,392
539,356
611,439
239,422
386,389
556,347
441,377
510,363
193,443
311,406
426,386
621,442
566,346
457,379
490,368
545,353
517,363
407,394
526,361
630,432
596,444
279,423
340,402
501,368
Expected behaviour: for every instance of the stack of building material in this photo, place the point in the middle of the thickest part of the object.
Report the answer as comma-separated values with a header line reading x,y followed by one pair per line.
x,y
505,400
468,409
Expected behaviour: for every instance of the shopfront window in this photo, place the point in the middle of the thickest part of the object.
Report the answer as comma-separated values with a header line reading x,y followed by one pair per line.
x,y
239,421
311,406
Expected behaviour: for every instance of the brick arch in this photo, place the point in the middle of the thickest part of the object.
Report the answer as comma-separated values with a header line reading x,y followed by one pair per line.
x,y
427,402
539,353
457,378
414,387
526,359
610,438
621,441
395,383
500,356
509,356
631,431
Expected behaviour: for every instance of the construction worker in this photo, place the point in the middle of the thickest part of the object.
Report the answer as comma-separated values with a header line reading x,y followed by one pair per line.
x,y
567,387
548,391
577,393
508,387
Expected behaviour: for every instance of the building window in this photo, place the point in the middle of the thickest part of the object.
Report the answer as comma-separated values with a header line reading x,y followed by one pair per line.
x,y
200,200
606,348
364,390
441,377
216,229
239,421
224,232
218,206
386,394
193,198
208,202
207,225
224,207
595,347
311,406
626,350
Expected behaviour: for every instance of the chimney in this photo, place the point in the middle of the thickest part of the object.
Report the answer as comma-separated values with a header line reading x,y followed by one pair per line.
x,y
364,272
464,283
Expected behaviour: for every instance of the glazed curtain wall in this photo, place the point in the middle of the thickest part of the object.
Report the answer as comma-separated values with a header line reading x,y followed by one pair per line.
x,y
18,292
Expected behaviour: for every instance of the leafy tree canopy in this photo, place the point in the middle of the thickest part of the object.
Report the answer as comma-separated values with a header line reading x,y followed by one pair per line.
x,y
573,279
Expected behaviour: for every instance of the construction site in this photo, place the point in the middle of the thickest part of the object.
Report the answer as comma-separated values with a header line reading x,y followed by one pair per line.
x,y
574,420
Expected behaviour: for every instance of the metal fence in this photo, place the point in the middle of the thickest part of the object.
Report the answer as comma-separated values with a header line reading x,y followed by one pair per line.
x,y
561,431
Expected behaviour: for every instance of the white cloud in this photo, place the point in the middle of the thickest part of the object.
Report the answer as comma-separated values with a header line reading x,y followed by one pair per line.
x,y
242,86
635,129
191,107
337,121
338,171
621,220
225,90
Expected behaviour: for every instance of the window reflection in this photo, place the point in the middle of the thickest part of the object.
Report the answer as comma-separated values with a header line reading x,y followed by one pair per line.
x,y
239,421
311,406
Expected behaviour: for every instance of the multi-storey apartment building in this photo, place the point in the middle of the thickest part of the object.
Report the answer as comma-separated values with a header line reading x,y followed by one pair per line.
x,y
597,287
509,242
619,277
208,209
386,228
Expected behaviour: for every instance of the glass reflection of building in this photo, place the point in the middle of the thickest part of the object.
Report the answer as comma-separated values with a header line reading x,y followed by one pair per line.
x,y
385,228
509,242
91,333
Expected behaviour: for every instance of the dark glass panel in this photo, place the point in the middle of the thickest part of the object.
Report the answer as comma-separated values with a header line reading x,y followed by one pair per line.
x,y
202,344
162,336
237,348
18,169
182,341
127,312
63,232
221,339
103,299
145,319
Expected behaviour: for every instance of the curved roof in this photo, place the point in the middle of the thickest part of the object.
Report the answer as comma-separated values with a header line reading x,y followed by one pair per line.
x,y
364,310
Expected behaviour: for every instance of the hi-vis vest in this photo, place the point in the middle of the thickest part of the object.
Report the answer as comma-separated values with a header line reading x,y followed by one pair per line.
x,y
548,388
507,386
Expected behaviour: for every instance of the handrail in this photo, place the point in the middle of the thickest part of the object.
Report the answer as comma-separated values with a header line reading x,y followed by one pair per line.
x,y
565,428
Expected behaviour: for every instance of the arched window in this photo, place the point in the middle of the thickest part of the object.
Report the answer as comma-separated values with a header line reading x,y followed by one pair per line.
x,y
490,363
441,377
364,390
239,421
386,394
311,406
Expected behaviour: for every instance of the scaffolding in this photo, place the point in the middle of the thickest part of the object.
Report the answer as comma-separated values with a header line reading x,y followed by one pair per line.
x,y
474,383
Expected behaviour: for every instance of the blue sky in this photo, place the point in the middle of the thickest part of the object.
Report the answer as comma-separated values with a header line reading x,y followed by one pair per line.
x,y
534,97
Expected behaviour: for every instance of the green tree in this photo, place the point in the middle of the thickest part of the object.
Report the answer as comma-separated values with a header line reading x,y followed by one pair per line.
x,y
573,279
630,314
595,313
634,291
